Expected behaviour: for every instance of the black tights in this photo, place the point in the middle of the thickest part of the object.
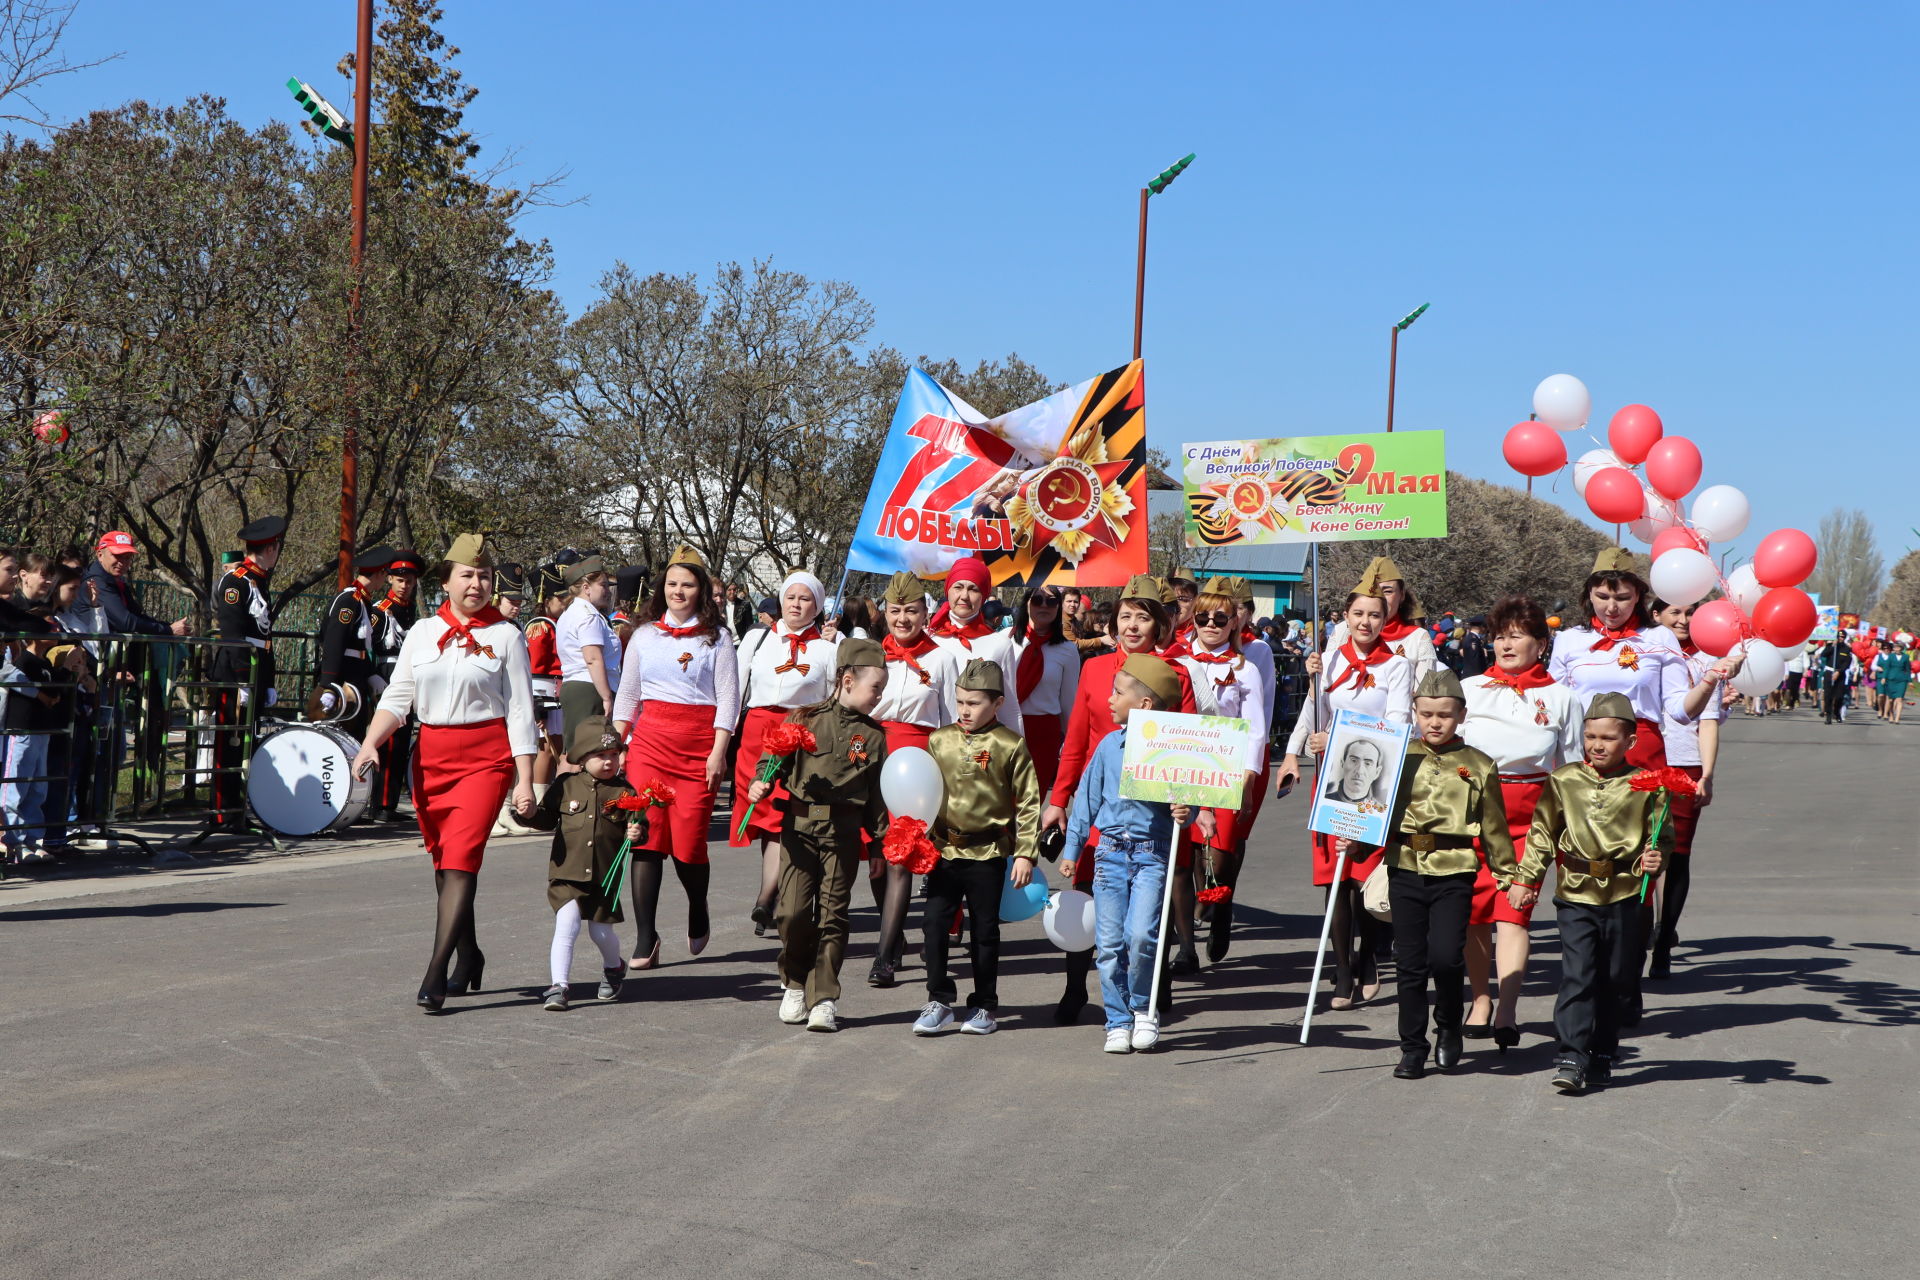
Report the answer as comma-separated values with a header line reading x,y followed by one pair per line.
x,y
1673,900
453,928
1351,924
892,894
647,874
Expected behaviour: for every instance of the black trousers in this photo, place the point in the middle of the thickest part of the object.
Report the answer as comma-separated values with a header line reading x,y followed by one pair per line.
x,y
1832,699
977,883
1429,942
1599,976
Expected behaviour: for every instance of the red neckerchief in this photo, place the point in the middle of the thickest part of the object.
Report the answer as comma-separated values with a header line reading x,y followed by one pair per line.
x,y
1214,659
1396,630
1247,636
1689,648
966,633
1357,665
796,642
679,633
1178,649
463,631
1183,634
1534,677
1032,665
1609,637
896,652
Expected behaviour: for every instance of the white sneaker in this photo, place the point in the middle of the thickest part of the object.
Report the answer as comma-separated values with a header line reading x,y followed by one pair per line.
x,y
933,1019
1146,1032
980,1023
822,1018
1119,1040
793,1006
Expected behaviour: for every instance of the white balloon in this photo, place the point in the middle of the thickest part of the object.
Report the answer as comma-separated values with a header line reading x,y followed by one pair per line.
x,y
910,784
1720,513
1682,577
1068,920
1561,401
1663,513
1744,589
1762,671
1589,462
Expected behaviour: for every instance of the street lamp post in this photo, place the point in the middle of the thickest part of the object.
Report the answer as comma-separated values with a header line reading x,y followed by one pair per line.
x,y
1160,182
1393,355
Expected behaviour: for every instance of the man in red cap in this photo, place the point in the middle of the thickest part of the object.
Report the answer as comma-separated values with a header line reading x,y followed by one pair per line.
x,y
105,587
960,627
105,590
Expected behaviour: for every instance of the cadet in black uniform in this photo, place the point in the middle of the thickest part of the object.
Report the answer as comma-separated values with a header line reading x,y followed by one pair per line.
x,y
242,622
347,636
394,616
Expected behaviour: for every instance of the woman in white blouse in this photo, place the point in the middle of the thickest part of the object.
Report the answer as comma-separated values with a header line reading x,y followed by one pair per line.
x,y
678,702
1360,673
463,673
588,646
780,669
1530,725
921,676
1239,691
1402,632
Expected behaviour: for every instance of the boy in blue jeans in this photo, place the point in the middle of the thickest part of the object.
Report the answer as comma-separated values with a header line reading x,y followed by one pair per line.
x,y
1130,860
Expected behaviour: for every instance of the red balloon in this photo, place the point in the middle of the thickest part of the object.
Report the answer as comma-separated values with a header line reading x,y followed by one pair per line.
x,y
1785,616
1615,495
1785,558
1717,626
1632,432
1676,537
1535,449
1673,467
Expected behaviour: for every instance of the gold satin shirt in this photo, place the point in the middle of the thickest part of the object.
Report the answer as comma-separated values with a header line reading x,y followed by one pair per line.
x,y
1451,790
992,806
1584,814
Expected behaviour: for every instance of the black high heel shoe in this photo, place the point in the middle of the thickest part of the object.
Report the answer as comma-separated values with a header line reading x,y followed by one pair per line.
x,y
465,980
432,996
1506,1037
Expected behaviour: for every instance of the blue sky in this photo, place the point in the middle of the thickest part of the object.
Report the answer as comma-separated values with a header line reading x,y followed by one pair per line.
x,y
1706,207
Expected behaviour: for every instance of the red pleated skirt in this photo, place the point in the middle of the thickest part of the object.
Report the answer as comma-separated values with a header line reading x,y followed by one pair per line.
x,y
1045,733
1490,906
1231,827
670,743
1649,746
1685,815
765,823
461,774
1324,860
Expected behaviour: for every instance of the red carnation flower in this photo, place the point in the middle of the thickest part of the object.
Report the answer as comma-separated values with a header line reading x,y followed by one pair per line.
x,y
906,844
1216,893
1465,772
786,738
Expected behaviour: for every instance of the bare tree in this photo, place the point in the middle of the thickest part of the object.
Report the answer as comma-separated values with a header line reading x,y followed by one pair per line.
x,y
1851,570
30,32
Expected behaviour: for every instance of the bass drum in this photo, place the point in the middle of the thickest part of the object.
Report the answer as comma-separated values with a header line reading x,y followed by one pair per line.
x,y
300,781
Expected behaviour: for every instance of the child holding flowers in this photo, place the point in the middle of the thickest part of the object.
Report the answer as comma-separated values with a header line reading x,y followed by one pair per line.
x,y
832,779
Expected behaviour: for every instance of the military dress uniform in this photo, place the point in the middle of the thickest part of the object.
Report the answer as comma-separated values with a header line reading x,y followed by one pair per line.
x,y
991,811
1593,827
243,623
347,641
1449,806
833,793
392,619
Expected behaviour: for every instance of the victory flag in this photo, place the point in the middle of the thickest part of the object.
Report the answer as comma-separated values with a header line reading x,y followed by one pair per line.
x,y
1054,492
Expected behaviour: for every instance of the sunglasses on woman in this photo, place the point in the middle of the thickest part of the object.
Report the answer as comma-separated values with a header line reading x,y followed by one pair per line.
x,y
1215,619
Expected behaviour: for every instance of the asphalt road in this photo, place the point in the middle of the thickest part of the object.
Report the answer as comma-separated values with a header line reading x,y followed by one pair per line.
x,y
219,1072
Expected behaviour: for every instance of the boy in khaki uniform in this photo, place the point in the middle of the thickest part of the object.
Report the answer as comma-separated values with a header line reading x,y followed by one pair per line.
x,y
1595,827
834,793
991,810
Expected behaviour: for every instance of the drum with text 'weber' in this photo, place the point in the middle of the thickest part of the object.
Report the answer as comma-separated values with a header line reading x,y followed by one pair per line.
x,y
300,781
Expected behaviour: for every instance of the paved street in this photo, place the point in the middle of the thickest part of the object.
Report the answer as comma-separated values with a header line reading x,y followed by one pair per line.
x,y
219,1072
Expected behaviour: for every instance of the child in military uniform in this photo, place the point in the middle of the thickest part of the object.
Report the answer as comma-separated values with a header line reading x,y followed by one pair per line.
x,y
1449,798
1596,827
991,810
834,792
587,836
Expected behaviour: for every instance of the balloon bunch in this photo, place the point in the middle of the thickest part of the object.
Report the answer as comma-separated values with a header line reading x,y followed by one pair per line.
x,y
1764,610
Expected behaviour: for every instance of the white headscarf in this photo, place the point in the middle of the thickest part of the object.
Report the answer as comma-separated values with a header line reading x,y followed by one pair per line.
x,y
811,583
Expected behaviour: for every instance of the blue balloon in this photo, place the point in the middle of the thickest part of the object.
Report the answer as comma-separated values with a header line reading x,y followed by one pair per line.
x,y
1023,904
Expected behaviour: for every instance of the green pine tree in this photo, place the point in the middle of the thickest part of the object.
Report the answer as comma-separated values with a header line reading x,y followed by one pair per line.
x,y
419,100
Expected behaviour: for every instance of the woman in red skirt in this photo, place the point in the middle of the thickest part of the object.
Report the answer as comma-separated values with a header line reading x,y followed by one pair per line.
x,y
463,673
781,669
1530,725
678,700
1141,624
921,675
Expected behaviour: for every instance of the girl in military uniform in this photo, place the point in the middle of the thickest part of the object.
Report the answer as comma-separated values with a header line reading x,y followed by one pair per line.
x,y
833,794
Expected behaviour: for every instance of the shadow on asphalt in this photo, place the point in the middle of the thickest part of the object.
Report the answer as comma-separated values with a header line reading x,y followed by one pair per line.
x,y
93,912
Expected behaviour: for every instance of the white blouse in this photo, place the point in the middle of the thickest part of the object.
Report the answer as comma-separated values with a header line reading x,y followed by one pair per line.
x,y
811,680
996,647
581,625
1053,696
1529,732
1238,691
455,685
1389,697
1683,738
911,699
696,672
1416,647
1649,668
